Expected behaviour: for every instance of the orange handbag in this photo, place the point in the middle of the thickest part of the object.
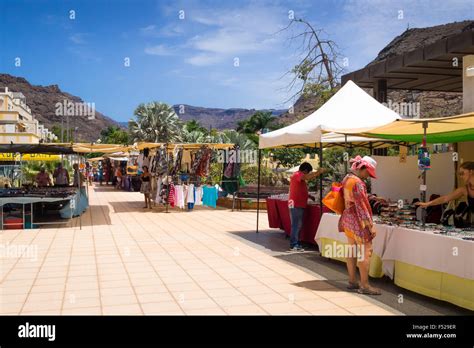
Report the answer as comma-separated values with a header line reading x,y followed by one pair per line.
x,y
334,200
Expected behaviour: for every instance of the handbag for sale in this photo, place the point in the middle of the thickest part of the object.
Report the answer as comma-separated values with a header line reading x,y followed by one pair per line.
x,y
334,200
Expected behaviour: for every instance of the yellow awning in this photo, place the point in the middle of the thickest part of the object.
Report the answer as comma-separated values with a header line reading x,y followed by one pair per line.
x,y
4,156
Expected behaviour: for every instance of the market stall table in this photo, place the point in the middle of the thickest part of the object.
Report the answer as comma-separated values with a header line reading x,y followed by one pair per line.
x,y
431,264
71,208
435,265
279,217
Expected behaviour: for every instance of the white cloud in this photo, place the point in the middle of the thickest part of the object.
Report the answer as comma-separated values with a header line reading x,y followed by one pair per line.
x,y
159,50
169,30
148,30
237,31
78,38
204,59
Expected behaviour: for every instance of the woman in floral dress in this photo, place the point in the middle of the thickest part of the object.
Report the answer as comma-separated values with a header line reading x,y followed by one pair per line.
x,y
356,222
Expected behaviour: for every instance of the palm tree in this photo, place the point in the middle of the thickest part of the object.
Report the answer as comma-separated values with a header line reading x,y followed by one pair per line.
x,y
155,122
234,137
193,137
194,125
261,120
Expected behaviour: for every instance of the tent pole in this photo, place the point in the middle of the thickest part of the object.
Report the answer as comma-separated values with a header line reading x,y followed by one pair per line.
x,y
258,186
320,180
167,178
423,192
345,150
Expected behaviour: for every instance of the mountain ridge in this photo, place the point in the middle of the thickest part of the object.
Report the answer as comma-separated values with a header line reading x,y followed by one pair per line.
x,y
42,102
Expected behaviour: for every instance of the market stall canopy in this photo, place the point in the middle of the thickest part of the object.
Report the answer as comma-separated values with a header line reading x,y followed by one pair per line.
x,y
440,130
95,159
120,159
104,148
187,146
143,145
37,148
350,111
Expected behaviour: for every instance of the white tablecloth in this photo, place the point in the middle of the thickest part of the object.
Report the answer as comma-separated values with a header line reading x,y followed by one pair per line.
x,y
420,248
431,251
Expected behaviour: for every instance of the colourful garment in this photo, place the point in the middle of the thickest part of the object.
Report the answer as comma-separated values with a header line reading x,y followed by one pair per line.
x,y
298,196
356,219
209,196
171,196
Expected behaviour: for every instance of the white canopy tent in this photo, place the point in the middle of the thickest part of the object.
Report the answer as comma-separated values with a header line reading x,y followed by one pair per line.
x,y
351,110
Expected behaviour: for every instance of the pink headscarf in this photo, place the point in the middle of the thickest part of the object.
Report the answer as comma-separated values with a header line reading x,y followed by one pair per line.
x,y
359,162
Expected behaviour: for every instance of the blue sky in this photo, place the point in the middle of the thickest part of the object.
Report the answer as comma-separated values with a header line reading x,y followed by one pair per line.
x,y
190,60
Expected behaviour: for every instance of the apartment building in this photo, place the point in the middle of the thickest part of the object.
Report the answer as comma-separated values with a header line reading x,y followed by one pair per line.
x,y
17,124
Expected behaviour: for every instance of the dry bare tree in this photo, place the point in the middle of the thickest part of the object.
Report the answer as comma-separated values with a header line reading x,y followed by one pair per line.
x,y
319,69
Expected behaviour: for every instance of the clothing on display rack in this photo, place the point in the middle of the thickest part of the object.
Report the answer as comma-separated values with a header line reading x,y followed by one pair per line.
x,y
209,197
171,196
160,163
198,195
186,161
177,156
231,173
179,196
190,196
201,161
159,185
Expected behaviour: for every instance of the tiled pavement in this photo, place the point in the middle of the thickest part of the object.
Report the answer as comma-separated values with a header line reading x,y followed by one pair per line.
x,y
128,260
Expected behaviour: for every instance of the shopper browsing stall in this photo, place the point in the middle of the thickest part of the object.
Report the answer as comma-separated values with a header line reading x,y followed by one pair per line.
x,y
356,222
61,176
42,178
145,187
118,176
298,200
79,178
466,172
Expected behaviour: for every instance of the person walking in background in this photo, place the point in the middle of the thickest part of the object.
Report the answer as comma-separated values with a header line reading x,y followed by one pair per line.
x,y
118,175
356,222
100,173
145,187
107,172
61,176
79,179
298,200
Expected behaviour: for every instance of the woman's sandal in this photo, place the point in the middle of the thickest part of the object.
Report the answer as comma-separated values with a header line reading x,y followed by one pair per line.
x,y
369,291
353,286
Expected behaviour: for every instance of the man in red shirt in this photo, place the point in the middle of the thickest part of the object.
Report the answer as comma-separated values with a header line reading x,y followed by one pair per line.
x,y
298,200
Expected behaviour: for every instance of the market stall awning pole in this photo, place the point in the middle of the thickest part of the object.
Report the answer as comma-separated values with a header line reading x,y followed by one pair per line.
x,y
167,178
258,185
423,191
320,180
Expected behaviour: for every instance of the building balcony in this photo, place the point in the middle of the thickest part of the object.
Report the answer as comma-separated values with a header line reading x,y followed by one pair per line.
x,y
19,138
9,117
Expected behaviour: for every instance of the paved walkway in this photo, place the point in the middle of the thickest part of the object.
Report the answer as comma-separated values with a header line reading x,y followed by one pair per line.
x,y
128,260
